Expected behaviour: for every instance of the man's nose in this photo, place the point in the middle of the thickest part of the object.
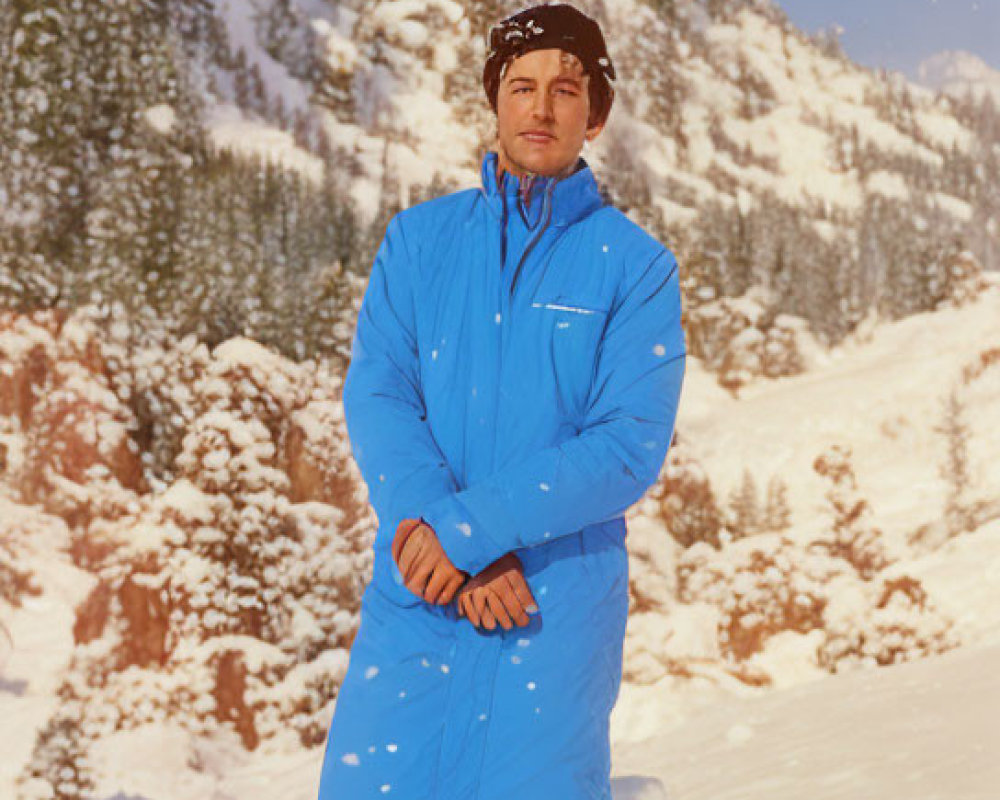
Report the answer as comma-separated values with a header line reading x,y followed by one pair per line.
x,y
542,105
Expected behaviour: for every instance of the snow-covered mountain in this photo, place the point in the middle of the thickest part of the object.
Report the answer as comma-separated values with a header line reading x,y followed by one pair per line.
x,y
740,141
958,72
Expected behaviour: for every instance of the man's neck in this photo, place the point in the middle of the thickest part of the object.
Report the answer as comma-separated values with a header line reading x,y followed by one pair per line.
x,y
524,175
527,179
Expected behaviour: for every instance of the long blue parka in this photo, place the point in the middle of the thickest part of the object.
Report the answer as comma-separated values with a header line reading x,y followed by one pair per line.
x,y
514,381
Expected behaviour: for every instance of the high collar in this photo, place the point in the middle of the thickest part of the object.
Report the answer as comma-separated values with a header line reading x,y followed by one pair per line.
x,y
572,197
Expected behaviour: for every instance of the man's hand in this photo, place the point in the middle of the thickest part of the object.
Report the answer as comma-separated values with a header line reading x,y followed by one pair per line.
x,y
426,569
499,592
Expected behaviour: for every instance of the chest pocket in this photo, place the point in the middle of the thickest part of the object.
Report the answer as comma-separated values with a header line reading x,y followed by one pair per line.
x,y
572,324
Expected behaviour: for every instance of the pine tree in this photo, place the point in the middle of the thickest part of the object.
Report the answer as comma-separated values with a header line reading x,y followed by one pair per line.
x,y
777,513
744,507
955,471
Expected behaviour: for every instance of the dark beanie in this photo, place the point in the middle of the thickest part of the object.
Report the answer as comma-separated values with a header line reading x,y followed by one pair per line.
x,y
540,27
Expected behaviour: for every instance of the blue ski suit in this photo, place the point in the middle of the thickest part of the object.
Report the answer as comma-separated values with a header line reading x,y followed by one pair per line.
x,y
514,380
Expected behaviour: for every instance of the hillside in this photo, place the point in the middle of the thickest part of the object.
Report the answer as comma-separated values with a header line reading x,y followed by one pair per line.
x,y
714,647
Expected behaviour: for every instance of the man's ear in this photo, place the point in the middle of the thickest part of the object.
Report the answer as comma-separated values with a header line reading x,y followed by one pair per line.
x,y
594,130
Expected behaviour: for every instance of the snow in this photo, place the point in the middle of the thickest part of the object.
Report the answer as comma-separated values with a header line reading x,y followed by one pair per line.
x,y
888,184
924,730
706,734
229,127
161,117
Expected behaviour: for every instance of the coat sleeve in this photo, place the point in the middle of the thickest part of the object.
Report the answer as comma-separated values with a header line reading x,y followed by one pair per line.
x,y
384,409
615,457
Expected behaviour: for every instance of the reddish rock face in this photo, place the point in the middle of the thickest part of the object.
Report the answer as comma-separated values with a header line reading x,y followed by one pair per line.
x,y
230,697
21,382
54,380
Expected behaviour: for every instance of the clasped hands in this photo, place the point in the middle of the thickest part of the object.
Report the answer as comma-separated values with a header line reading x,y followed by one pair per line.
x,y
497,594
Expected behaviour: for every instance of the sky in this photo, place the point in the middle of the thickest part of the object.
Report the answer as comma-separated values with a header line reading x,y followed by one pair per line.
x,y
899,34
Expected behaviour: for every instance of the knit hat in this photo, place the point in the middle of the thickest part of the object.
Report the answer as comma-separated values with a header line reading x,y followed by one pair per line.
x,y
552,25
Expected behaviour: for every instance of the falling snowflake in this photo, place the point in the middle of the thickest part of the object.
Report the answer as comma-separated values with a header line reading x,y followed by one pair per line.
x,y
371,672
498,318
392,747
515,659
434,354
522,642
543,486
464,527
445,668
385,788
659,349
531,686
351,759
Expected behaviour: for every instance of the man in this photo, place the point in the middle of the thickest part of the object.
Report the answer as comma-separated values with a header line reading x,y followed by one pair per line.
x,y
513,387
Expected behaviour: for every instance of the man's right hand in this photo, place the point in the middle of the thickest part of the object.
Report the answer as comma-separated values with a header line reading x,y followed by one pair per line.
x,y
498,593
426,569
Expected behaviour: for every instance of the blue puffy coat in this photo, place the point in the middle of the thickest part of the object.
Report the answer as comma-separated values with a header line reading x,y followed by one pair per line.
x,y
514,380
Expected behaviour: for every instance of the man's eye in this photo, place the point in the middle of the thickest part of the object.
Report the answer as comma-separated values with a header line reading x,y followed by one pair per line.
x,y
568,91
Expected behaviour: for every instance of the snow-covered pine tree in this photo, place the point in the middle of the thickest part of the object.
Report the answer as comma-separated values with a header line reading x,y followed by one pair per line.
x,y
744,507
852,537
777,513
955,470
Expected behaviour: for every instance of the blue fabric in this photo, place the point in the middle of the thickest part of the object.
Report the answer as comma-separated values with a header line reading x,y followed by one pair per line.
x,y
514,381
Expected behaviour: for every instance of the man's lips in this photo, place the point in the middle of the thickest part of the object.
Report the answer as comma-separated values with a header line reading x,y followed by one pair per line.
x,y
538,136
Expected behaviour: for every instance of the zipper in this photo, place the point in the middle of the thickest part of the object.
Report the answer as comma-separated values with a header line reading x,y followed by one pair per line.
x,y
506,298
547,213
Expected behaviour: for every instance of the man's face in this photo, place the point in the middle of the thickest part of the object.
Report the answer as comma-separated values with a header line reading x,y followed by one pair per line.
x,y
543,90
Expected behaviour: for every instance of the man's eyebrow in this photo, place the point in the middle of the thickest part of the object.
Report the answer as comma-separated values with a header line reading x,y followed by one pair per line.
x,y
560,79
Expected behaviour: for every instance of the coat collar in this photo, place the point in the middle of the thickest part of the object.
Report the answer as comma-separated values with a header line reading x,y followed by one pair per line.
x,y
572,197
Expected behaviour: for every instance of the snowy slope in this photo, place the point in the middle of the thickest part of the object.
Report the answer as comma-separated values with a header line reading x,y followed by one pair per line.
x,y
882,397
919,730
400,61
927,730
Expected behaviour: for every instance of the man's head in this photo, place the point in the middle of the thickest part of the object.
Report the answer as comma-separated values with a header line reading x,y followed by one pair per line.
x,y
548,70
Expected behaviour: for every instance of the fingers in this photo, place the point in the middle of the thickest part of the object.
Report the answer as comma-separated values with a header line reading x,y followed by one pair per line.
x,y
497,607
403,531
409,552
521,590
452,588
439,581
418,570
512,601
484,614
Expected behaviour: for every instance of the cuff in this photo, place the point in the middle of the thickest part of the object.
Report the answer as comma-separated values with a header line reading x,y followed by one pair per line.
x,y
461,534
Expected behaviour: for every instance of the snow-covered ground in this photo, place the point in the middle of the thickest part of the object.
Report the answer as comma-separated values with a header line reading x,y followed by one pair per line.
x,y
925,730
919,730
